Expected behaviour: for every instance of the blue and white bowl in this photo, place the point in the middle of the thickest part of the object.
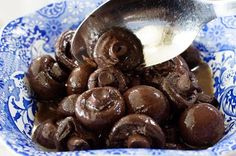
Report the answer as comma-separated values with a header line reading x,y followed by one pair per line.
x,y
28,37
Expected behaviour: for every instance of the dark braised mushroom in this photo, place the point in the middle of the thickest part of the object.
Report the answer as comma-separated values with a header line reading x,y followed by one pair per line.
x,y
136,131
69,128
99,107
75,144
118,47
202,125
108,76
44,79
192,57
64,128
181,89
67,106
45,134
63,51
154,75
147,100
78,79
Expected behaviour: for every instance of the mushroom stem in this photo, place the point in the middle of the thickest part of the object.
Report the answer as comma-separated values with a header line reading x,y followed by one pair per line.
x,y
76,143
118,49
138,141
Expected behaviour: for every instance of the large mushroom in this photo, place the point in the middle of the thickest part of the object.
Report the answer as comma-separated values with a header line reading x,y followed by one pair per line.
x,y
201,125
108,76
118,47
99,107
46,79
147,100
136,131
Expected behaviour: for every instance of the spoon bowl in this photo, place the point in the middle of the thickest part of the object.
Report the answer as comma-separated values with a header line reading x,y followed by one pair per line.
x,y
165,27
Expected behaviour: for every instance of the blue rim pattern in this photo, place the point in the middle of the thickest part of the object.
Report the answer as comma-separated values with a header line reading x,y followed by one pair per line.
x,y
28,37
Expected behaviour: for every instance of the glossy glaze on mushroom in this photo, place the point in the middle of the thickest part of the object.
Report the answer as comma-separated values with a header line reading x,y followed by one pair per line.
x,y
109,100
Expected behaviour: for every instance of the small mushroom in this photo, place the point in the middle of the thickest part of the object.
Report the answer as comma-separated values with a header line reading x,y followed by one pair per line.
x,y
67,106
45,134
136,131
180,89
99,107
45,80
147,100
118,47
201,126
78,79
63,51
108,76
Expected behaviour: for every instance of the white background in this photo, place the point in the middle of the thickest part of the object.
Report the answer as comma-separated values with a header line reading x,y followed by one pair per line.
x,y
11,9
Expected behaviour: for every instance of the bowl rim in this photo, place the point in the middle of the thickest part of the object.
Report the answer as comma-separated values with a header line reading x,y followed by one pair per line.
x,y
11,150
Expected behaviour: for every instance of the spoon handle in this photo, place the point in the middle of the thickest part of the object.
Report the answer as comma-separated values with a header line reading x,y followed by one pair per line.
x,y
224,7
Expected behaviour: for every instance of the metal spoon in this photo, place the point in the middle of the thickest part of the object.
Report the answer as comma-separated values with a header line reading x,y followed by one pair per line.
x,y
165,27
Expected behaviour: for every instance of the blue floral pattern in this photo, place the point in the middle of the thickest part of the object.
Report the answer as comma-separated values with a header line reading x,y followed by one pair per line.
x,y
28,37
53,10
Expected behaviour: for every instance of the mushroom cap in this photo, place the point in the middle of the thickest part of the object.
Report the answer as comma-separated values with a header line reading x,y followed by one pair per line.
x,y
108,76
147,100
136,124
78,79
202,125
118,47
99,107
42,80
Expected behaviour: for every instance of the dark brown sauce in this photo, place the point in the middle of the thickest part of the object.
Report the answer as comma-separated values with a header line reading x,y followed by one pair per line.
x,y
44,113
205,78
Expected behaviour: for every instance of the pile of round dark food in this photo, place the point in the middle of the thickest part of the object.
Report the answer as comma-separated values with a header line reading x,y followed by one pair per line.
x,y
109,100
